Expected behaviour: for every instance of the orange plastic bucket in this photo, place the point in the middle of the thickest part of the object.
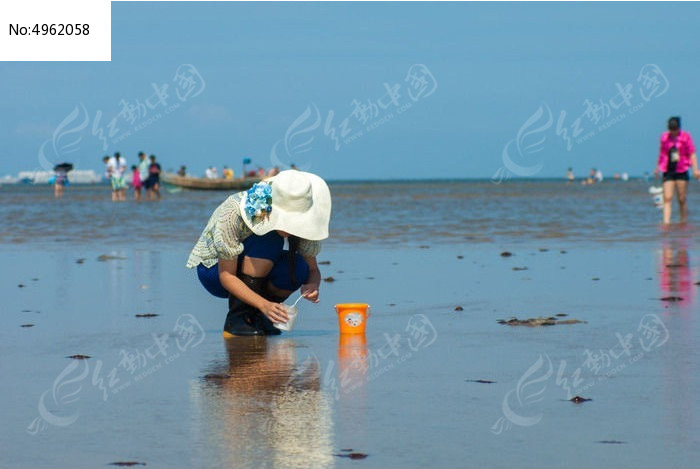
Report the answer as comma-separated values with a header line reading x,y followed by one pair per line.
x,y
352,317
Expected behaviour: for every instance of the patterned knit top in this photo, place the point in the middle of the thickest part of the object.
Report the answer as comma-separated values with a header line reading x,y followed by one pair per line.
x,y
223,236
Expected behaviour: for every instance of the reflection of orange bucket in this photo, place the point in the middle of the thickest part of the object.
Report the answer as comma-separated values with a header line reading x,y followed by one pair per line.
x,y
352,347
352,317
352,362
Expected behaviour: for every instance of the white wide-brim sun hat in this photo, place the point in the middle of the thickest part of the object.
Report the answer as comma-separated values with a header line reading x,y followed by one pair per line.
x,y
301,206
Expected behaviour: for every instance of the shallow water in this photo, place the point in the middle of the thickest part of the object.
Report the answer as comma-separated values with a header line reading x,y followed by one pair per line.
x,y
405,395
408,213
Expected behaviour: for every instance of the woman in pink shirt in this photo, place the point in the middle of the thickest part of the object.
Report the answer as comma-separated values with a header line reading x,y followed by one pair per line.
x,y
676,156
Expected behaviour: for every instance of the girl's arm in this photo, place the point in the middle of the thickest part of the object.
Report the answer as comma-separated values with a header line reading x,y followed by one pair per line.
x,y
658,158
310,288
694,165
235,286
693,156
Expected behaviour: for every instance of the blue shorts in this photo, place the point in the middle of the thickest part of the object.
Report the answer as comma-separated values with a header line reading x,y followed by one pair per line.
x,y
270,247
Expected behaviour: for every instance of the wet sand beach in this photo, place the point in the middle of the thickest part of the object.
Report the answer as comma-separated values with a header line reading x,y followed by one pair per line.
x,y
436,382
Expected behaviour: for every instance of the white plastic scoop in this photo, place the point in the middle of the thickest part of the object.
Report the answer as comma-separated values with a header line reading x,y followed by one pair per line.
x,y
301,295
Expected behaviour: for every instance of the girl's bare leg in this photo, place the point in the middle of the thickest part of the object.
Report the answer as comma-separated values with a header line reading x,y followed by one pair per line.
x,y
669,187
682,188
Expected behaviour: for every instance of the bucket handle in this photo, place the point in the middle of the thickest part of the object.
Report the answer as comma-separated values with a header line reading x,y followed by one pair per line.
x,y
368,310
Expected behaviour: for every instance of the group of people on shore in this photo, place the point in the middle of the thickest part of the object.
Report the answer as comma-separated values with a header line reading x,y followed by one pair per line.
x,y
144,175
595,175
227,173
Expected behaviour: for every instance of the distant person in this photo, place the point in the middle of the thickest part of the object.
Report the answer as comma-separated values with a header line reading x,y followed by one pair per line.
x,y
624,176
108,171
591,176
152,183
227,173
143,166
117,167
570,174
211,173
60,181
293,166
599,176
676,156
182,171
273,171
136,183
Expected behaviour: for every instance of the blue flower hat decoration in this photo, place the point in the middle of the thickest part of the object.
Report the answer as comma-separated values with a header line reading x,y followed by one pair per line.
x,y
259,201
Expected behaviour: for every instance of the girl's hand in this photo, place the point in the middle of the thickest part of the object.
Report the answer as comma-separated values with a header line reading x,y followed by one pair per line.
x,y
275,312
696,174
310,292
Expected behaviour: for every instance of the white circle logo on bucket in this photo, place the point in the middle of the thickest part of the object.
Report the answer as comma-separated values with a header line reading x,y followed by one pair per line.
x,y
353,319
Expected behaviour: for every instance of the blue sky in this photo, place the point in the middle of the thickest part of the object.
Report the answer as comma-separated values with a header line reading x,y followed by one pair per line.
x,y
486,77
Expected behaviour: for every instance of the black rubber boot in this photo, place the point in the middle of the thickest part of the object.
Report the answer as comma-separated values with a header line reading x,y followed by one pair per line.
x,y
243,319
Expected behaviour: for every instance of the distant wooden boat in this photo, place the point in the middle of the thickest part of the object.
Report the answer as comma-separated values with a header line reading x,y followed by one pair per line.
x,y
206,184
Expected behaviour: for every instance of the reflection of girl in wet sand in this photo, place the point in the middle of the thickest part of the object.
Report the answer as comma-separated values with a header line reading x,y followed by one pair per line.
x,y
264,409
240,254
677,276
676,156
676,373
